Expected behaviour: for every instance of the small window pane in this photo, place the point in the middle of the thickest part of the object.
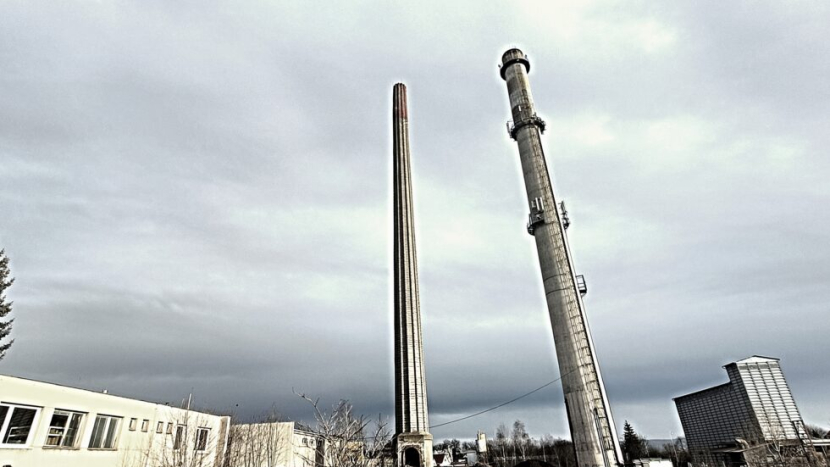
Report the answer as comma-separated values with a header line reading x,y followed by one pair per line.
x,y
104,432
160,427
57,427
72,431
19,426
145,425
177,442
4,409
63,429
202,438
133,424
97,432
109,443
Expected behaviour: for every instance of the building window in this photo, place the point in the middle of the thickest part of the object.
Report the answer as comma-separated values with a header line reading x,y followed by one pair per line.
x,y
104,432
145,426
178,441
160,427
63,429
305,441
169,428
133,424
16,424
202,435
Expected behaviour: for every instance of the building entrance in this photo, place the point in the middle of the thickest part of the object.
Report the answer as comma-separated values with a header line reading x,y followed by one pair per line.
x,y
411,457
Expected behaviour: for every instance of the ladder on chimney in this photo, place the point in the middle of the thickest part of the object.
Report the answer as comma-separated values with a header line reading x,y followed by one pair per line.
x,y
579,330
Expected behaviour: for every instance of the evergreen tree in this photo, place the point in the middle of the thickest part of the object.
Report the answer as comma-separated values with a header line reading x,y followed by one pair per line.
x,y
633,446
5,307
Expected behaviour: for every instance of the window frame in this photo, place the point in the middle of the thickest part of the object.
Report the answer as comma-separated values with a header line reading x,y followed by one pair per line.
x,y
159,427
4,424
133,424
79,430
199,432
105,431
180,437
145,425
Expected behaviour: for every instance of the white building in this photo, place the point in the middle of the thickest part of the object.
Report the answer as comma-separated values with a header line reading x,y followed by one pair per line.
x,y
652,462
274,444
44,425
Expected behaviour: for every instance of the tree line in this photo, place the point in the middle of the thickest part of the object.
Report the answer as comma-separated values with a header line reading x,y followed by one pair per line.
x,y
511,446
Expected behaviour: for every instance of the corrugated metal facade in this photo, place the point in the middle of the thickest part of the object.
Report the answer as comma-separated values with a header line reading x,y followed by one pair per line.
x,y
755,406
769,395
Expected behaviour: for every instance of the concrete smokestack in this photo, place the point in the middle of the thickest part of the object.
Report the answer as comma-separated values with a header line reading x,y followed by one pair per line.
x,y
589,415
413,442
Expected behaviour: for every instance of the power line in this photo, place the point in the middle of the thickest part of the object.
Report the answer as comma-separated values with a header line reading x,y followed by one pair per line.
x,y
503,403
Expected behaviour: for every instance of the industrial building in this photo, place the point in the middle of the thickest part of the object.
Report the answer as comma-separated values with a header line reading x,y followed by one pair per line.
x,y
750,420
44,424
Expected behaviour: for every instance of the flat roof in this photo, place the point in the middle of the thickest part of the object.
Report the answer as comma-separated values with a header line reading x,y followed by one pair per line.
x,y
702,391
756,359
100,393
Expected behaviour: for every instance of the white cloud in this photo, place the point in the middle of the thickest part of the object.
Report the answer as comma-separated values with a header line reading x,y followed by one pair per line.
x,y
584,29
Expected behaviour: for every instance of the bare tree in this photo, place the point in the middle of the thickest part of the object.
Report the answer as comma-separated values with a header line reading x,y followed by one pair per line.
x,y
190,442
546,443
520,438
267,443
5,306
771,444
816,432
348,439
502,440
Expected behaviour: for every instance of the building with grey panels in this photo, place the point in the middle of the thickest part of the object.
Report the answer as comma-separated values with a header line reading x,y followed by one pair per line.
x,y
754,414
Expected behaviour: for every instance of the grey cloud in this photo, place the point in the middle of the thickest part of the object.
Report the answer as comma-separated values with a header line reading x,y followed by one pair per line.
x,y
196,199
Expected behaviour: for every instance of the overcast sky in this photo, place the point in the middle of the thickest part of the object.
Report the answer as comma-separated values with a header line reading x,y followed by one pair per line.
x,y
195,196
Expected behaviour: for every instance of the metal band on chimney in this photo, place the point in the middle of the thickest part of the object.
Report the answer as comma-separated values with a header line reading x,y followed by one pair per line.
x,y
534,120
523,60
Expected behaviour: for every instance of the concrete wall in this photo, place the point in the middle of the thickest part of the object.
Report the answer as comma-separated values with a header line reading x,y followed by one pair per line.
x,y
274,444
135,425
309,449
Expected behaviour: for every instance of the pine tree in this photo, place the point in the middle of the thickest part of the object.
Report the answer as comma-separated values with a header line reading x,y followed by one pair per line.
x,y
633,446
5,307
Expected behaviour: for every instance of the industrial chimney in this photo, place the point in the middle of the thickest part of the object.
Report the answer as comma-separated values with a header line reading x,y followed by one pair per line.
x,y
589,415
